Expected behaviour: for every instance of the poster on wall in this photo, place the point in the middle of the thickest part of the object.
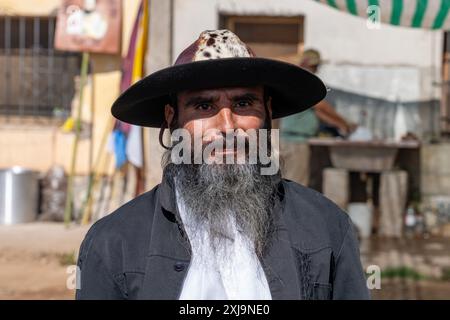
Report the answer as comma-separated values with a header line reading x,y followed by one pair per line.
x,y
89,26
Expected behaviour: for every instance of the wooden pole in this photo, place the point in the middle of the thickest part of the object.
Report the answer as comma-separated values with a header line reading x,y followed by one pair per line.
x,y
69,198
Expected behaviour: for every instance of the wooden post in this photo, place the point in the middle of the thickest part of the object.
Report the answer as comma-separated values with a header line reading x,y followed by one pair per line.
x,y
69,199
393,196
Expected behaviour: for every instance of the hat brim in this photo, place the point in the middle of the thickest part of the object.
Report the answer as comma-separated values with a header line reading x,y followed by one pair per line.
x,y
293,89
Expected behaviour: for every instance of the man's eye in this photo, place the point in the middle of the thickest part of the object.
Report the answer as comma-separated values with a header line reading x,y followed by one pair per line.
x,y
243,103
203,106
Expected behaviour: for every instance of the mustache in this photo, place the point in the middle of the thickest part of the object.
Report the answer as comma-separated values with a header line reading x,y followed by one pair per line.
x,y
227,143
253,143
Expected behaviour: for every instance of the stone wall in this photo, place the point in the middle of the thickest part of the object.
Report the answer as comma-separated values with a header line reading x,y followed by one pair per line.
x,y
435,171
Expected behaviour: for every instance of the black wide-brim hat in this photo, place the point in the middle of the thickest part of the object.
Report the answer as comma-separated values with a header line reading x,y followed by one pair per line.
x,y
218,59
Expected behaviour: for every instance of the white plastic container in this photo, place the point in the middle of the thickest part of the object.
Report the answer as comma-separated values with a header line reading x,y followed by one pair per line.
x,y
361,215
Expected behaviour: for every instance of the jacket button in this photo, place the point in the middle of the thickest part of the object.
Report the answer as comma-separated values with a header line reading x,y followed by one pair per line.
x,y
179,266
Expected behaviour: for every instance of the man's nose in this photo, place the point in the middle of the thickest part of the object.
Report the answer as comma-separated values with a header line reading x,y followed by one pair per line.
x,y
225,120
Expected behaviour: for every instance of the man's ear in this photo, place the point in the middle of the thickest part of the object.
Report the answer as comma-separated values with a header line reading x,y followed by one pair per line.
x,y
169,113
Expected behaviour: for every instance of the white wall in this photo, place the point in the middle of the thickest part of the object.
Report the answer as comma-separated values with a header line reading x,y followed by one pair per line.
x,y
393,63
191,17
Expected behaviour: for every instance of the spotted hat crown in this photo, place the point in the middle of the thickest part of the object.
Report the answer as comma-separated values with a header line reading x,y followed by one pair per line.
x,y
215,44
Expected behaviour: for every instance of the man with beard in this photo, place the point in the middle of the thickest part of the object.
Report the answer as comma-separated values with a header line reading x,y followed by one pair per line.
x,y
217,229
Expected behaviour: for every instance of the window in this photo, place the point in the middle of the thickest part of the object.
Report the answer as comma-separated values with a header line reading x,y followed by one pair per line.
x,y
37,80
269,36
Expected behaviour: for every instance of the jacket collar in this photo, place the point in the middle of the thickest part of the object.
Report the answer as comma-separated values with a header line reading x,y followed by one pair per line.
x,y
278,261
167,194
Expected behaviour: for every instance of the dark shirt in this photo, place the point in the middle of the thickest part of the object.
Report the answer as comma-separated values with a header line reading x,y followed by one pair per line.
x,y
139,251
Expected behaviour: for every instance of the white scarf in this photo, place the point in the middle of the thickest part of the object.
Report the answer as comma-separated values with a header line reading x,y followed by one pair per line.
x,y
211,277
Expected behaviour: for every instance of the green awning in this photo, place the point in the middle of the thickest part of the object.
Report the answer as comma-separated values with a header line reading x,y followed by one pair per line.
x,y
428,14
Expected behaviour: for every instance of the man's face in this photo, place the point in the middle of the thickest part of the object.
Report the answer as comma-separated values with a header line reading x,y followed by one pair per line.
x,y
218,191
222,109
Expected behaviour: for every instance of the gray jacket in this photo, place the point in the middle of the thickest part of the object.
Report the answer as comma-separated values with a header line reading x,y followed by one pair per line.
x,y
139,252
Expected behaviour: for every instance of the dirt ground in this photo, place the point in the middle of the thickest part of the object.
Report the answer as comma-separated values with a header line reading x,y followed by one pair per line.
x,y
34,260
414,268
